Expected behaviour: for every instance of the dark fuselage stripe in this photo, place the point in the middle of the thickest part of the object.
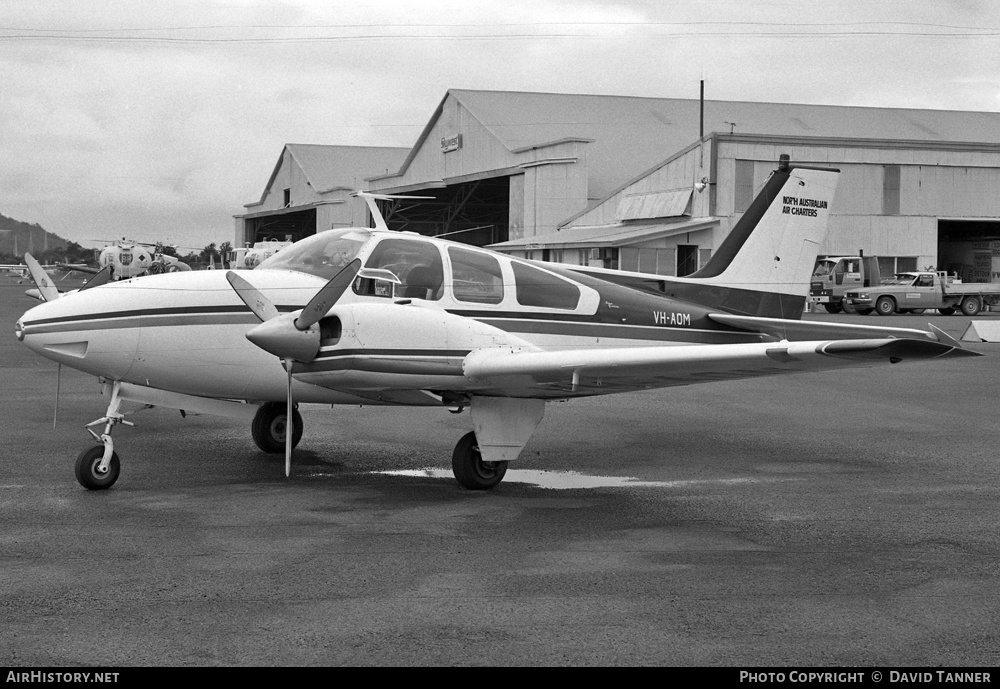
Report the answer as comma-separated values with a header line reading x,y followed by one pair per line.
x,y
513,322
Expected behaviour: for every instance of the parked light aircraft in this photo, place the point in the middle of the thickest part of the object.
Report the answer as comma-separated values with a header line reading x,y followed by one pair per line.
x,y
250,257
22,270
368,316
127,259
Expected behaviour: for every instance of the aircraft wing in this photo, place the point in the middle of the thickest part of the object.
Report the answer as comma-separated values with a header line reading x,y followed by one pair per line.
x,y
602,371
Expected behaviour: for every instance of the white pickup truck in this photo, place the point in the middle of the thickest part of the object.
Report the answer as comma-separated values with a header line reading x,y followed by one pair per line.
x,y
918,291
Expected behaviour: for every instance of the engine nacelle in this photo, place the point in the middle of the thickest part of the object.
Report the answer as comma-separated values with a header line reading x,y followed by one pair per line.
x,y
399,346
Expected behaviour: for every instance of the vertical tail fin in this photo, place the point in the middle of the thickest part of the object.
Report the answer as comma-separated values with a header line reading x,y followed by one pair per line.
x,y
765,264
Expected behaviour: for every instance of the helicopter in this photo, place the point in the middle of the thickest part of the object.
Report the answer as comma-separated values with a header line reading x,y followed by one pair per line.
x,y
128,259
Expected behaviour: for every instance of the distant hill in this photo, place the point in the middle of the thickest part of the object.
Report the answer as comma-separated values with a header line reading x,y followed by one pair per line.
x,y
16,237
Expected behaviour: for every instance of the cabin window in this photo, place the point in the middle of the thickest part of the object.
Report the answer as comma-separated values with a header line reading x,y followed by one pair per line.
x,y
543,289
476,276
417,264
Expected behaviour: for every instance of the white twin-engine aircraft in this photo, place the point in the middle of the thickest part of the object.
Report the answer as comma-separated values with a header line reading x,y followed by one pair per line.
x,y
369,316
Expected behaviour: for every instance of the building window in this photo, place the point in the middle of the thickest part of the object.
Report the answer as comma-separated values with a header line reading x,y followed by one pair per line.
x,y
890,190
744,186
687,259
603,258
890,265
653,261
288,198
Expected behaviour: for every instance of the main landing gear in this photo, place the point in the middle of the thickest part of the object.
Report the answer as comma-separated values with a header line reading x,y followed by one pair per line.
x,y
503,427
271,424
470,469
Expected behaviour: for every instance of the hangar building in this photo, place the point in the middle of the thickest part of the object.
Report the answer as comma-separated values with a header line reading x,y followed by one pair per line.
x,y
631,183
309,191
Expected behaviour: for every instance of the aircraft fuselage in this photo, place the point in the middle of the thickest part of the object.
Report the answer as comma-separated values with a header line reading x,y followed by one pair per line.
x,y
185,332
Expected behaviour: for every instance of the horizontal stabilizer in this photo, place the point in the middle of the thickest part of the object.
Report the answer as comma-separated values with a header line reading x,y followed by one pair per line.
x,y
787,329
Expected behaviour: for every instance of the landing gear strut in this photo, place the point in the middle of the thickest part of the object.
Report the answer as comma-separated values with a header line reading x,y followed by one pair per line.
x,y
470,469
270,425
97,468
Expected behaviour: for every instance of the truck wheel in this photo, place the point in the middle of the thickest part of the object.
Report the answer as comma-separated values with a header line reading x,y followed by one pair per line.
x,y
833,308
885,306
863,312
917,312
948,311
971,306
848,309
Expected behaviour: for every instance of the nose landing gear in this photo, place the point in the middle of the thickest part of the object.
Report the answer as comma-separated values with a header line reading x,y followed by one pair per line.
x,y
97,468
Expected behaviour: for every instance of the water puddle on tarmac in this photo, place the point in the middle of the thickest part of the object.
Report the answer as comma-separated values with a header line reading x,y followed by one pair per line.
x,y
567,480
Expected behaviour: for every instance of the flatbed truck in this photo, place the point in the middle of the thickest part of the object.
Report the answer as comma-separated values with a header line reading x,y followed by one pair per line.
x,y
915,292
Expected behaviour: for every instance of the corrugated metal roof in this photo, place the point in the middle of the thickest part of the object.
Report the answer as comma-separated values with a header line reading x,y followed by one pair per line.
x,y
656,204
330,167
632,134
619,234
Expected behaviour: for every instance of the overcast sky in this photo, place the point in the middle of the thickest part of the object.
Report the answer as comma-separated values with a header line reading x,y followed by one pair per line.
x,y
159,120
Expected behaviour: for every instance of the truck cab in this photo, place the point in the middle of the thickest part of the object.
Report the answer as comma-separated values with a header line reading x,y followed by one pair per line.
x,y
833,276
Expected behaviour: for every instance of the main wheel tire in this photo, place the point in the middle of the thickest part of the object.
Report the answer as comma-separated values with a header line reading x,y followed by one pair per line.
x,y
470,469
971,306
885,306
270,424
948,311
833,308
86,469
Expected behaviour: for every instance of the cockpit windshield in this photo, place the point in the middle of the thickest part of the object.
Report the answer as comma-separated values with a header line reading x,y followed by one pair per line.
x,y
323,255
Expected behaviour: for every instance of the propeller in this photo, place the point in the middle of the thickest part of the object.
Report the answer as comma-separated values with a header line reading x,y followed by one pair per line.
x,y
101,277
41,279
288,336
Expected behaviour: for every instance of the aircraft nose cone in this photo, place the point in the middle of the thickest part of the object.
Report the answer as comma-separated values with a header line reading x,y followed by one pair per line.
x,y
280,337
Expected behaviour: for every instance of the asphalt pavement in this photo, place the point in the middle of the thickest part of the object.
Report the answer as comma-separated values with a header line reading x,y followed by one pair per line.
x,y
841,519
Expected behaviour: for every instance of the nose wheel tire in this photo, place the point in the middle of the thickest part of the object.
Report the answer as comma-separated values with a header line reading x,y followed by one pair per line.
x,y
470,469
87,469
270,425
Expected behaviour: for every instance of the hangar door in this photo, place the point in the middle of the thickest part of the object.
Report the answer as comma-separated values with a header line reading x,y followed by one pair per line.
x,y
970,249
476,213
